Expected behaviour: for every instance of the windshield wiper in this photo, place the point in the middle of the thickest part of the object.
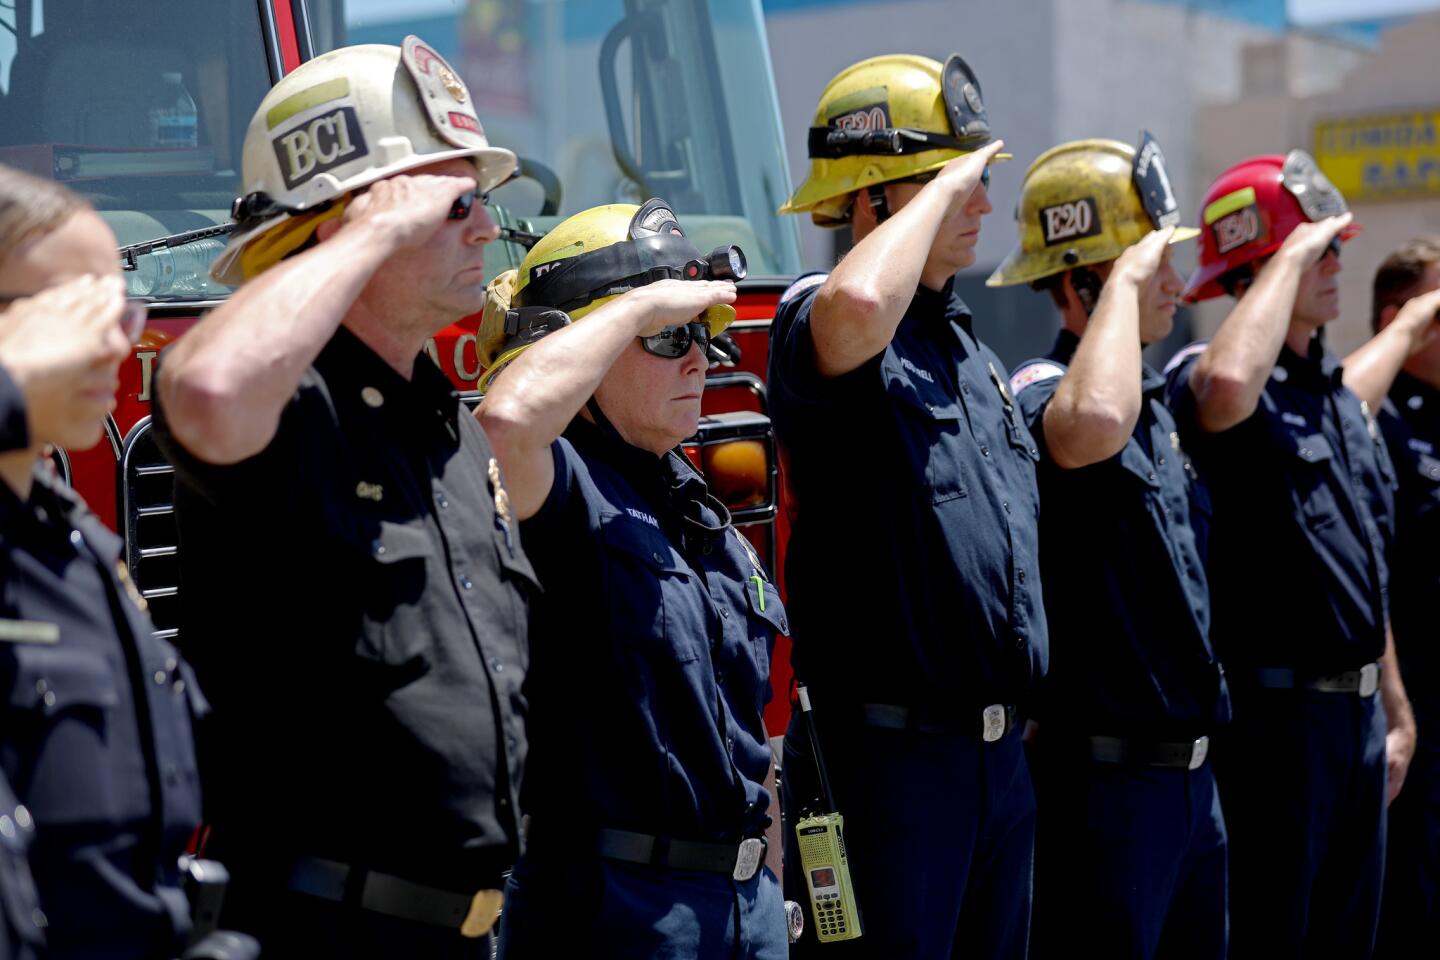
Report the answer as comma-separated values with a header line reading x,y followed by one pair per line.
x,y
130,255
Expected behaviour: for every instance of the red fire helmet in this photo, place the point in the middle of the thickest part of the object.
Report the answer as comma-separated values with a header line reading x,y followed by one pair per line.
x,y
1251,208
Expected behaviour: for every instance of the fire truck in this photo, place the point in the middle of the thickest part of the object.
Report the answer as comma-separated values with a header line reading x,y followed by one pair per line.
x,y
141,107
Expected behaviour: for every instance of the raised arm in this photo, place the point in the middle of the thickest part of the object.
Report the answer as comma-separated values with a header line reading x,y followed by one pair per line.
x,y
863,300
1371,369
1094,409
55,346
532,402
1230,375
226,382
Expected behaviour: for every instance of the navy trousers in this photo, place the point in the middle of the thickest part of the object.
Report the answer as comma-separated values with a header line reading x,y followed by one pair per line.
x,y
1129,860
609,909
940,832
1410,912
1302,781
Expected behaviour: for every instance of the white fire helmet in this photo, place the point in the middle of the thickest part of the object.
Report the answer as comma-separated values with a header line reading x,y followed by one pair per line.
x,y
337,123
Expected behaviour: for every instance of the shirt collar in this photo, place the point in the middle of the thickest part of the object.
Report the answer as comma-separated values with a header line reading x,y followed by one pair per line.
x,y
927,305
59,503
1407,388
670,480
1066,343
357,375
1318,365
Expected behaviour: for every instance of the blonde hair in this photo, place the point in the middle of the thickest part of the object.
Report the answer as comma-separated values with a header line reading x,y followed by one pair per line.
x,y
31,207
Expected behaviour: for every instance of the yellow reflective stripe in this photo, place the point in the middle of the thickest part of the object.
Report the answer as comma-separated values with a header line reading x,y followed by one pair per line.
x,y
305,99
1229,204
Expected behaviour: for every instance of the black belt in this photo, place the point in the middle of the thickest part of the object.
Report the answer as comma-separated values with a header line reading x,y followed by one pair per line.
x,y
740,861
1364,681
1182,754
472,915
992,722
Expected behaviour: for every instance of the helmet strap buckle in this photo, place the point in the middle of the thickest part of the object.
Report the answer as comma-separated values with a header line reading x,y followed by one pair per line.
x,y
875,193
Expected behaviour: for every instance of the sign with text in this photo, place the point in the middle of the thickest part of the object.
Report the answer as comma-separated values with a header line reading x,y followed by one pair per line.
x,y
1381,157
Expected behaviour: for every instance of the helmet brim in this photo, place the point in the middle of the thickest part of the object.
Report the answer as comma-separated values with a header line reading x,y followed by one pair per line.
x,y
1021,267
493,166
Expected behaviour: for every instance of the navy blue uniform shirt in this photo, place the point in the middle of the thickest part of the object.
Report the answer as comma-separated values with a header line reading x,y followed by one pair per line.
x,y
97,736
650,655
1122,547
912,569
356,604
1410,421
1303,496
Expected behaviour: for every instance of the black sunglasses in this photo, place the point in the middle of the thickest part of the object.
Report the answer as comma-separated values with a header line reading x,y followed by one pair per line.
x,y
923,178
460,209
674,342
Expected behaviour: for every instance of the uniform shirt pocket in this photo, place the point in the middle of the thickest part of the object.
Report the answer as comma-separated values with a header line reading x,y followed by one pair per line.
x,y
652,603
932,432
392,575
1313,470
63,723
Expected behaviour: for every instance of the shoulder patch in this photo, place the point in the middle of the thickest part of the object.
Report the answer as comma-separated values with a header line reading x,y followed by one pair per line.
x,y
1034,372
808,282
1185,353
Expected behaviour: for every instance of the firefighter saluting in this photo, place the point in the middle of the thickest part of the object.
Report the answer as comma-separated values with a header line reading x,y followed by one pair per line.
x,y
1303,495
920,630
1130,857
352,585
650,786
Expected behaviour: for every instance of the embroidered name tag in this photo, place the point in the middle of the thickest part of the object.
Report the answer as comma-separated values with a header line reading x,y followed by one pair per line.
x,y
643,517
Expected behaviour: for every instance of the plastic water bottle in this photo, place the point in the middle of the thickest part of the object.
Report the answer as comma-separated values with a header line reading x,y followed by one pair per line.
x,y
177,271
175,122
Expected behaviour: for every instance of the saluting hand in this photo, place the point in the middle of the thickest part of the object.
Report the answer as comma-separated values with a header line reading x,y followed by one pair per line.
x,y
1308,241
64,342
406,211
1141,261
672,302
1420,318
962,175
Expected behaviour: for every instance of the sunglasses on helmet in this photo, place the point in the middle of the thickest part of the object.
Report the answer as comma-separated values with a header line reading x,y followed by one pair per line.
x,y
674,342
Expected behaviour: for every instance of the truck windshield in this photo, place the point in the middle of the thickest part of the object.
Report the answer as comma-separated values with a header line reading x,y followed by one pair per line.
x,y
611,101
140,108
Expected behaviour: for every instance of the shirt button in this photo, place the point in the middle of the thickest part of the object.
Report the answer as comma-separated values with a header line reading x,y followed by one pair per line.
x,y
707,549
1152,476
379,548
443,503
1019,643
656,557
75,537
1161,461
984,451
7,827
724,614
1020,576
1005,504
510,743
730,744
965,389
467,583
497,666
160,677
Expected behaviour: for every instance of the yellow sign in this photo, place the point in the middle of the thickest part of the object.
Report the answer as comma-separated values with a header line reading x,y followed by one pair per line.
x,y
1381,157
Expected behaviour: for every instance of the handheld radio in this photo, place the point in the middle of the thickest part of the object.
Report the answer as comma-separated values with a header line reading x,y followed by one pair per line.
x,y
822,853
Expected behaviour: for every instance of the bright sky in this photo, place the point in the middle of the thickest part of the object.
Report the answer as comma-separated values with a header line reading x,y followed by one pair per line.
x,y
1328,11
1303,11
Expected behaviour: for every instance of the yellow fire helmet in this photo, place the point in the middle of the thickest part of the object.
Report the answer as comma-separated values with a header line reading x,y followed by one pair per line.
x,y
586,261
888,118
1084,203
337,123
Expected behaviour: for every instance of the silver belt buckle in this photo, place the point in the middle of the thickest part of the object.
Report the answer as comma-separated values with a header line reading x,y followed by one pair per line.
x,y
747,859
1199,752
1369,679
994,722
